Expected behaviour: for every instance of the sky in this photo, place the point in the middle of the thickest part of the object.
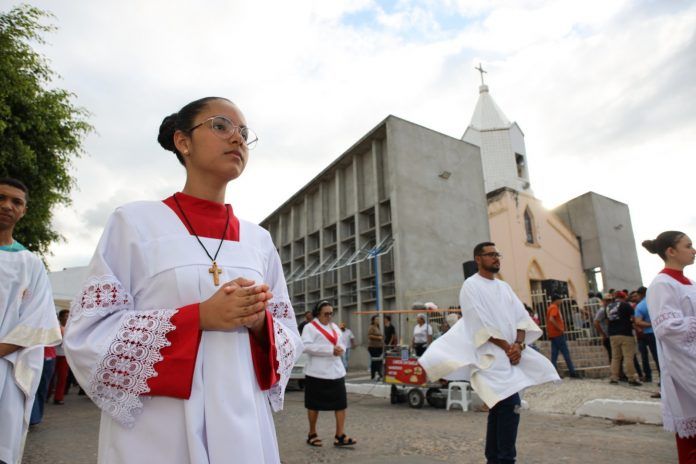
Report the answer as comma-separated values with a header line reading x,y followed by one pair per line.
x,y
603,91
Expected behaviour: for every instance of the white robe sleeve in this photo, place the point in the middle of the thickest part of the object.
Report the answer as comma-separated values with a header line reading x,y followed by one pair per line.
x,y
287,338
37,327
671,326
110,343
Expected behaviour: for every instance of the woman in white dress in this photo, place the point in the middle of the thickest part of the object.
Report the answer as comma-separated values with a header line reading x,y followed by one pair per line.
x,y
325,386
183,332
672,307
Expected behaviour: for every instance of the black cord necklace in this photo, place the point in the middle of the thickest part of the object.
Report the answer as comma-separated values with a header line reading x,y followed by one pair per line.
x,y
214,270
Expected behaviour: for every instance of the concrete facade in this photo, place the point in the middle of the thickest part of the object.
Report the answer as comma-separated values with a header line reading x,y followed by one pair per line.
x,y
408,194
604,228
535,243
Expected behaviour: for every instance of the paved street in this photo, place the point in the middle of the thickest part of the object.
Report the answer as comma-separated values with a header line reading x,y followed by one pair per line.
x,y
389,434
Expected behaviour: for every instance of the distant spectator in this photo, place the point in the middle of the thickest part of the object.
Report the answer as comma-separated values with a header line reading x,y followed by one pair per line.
x,y
422,335
348,341
602,324
375,345
532,314
390,338
61,375
308,317
555,329
647,341
623,345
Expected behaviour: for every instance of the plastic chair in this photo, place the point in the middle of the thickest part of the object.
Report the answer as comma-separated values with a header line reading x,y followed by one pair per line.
x,y
458,393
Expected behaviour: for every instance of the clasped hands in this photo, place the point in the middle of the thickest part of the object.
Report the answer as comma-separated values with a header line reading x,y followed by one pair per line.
x,y
514,353
237,303
338,351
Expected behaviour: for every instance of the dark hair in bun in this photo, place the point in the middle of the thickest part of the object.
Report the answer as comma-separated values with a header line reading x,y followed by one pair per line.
x,y
665,240
183,120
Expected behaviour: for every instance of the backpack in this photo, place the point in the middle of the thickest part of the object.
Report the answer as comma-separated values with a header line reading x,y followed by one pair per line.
x,y
612,311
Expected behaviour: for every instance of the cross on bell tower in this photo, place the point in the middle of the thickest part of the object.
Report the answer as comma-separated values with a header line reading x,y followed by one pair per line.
x,y
482,71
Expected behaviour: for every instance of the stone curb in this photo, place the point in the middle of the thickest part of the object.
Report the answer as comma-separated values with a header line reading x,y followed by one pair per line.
x,y
642,412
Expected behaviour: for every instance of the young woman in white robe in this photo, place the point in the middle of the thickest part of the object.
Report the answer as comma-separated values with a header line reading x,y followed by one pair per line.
x,y
183,333
672,307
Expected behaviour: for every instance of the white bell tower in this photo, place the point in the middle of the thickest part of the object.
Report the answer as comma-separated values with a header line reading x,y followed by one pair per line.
x,y
503,153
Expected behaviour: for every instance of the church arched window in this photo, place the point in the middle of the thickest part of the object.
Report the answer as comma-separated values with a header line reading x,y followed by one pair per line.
x,y
529,225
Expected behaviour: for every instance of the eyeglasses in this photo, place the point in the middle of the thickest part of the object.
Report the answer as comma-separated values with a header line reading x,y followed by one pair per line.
x,y
327,314
492,254
224,129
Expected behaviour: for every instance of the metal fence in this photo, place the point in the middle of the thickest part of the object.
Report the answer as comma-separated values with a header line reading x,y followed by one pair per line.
x,y
578,319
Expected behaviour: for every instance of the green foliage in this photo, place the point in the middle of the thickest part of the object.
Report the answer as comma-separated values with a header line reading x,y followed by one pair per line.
x,y
40,128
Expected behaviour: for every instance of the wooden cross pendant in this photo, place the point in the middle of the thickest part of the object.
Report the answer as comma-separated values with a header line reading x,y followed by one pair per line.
x,y
216,271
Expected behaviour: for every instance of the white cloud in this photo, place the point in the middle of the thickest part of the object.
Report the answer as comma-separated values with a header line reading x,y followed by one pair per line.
x,y
602,90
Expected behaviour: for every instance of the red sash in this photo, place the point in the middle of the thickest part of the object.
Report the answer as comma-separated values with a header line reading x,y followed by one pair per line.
x,y
331,337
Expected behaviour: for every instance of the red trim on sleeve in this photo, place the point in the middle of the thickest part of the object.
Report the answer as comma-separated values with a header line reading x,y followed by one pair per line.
x,y
175,372
263,354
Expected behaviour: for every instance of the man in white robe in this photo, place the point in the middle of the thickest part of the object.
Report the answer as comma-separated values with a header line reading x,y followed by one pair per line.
x,y
487,347
169,391
27,323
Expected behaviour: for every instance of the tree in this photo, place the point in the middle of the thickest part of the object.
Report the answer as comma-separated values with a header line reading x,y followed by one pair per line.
x,y
40,127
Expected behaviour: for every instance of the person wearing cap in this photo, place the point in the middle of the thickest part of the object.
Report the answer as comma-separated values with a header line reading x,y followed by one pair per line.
x,y
422,335
555,329
623,344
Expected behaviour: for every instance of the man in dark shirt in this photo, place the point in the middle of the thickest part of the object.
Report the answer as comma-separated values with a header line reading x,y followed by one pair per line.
x,y
308,317
623,344
389,333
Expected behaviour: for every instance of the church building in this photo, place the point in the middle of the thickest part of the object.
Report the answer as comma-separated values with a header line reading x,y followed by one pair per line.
x,y
394,219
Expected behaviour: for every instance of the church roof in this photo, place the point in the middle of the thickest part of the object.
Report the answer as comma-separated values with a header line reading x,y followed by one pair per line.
x,y
487,115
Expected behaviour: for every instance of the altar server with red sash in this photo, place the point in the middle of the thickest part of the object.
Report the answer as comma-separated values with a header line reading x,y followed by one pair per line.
x,y
672,307
183,333
325,386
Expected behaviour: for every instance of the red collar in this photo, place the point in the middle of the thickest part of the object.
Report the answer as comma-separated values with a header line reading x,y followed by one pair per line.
x,y
207,217
331,337
676,275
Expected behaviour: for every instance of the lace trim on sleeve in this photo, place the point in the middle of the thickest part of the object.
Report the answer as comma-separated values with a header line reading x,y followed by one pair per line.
x,y
281,310
664,316
122,374
100,296
285,355
685,428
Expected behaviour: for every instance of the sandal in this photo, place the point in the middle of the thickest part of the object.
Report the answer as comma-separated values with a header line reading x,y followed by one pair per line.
x,y
344,440
314,440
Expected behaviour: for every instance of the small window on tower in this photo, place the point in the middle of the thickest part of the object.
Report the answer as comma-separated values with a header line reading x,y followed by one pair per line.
x,y
529,225
519,159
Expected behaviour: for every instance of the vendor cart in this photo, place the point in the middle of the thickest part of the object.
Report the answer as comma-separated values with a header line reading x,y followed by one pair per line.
x,y
409,382
407,378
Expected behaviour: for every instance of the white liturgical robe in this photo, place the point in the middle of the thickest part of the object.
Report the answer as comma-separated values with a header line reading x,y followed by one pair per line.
x,y
148,274
672,308
489,309
27,319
